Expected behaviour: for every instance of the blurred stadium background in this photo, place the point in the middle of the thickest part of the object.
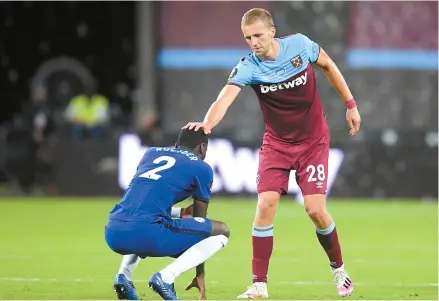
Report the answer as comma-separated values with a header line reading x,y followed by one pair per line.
x,y
85,87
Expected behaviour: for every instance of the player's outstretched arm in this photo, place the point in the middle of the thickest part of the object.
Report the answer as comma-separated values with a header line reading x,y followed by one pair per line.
x,y
337,80
217,110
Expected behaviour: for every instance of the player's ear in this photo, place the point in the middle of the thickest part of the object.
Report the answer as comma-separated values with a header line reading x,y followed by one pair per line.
x,y
203,150
273,31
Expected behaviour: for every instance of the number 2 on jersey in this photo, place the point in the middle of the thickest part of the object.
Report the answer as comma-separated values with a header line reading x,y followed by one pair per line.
x,y
153,173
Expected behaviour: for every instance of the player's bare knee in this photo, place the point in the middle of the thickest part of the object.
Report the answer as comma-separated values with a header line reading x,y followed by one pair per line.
x,y
315,212
315,206
221,228
266,205
225,230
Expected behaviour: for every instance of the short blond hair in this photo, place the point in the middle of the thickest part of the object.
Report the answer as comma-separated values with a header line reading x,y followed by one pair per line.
x,y
256,14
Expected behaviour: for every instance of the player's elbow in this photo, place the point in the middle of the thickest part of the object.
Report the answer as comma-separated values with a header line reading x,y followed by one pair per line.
x,y
329,66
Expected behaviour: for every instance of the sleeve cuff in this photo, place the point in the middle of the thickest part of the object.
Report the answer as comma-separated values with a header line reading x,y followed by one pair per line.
x,y
175,212
201,199
235,84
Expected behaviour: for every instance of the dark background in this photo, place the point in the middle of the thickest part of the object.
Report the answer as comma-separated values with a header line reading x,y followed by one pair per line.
x,y
70,47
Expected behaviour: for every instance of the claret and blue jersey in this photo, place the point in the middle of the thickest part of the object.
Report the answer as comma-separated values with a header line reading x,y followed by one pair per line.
x,y
286,88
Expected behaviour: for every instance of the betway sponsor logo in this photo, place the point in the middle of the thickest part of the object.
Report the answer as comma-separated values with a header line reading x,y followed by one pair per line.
x,y
299,81
235,168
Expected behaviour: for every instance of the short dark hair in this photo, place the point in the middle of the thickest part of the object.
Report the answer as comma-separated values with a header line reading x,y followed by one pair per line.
x,y
256,14
191,139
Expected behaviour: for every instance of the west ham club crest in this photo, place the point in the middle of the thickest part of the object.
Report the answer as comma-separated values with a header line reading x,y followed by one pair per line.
x,y
296,61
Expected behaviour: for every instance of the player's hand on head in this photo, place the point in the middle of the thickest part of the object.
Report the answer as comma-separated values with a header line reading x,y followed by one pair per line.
x,y
199,283
198,125
354,120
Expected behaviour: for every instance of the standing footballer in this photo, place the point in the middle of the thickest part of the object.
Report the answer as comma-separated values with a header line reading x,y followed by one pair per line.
x,y
296,137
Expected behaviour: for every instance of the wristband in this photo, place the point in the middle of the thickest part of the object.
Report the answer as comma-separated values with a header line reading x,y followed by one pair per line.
x,y
350,104
175,212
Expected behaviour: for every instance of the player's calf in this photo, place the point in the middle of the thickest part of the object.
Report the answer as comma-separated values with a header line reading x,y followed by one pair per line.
x,y
325,228
262,242
315,206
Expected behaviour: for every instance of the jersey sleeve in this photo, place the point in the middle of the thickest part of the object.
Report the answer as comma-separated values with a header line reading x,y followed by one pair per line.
x,y
203,183
312,49
241,75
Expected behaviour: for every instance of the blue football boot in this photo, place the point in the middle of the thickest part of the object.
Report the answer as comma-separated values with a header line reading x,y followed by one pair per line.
x,y
165,290
124,288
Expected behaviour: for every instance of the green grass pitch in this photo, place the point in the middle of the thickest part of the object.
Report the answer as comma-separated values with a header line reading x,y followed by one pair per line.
x,y
55,249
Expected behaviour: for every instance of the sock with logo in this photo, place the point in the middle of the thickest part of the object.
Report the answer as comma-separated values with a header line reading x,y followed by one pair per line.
x,y
193,256
262,242
129,263
328,238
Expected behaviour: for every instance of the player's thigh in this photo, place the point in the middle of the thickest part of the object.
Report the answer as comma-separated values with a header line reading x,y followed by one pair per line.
x,y
312,174
273,171
142,239
116,240
181,234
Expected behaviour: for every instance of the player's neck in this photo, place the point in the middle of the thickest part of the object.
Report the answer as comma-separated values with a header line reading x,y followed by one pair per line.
x,y
186,149
273,52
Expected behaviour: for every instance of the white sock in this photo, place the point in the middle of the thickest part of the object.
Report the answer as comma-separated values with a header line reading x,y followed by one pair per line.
x,y
129,263
193,256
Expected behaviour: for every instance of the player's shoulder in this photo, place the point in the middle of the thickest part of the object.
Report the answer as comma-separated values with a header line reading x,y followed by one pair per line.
x,y
243,71
205,166
295,41
204,169
297,37
149,151
248,61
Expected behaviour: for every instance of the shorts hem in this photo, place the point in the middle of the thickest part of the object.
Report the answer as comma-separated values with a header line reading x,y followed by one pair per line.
x,y
309,193
281,191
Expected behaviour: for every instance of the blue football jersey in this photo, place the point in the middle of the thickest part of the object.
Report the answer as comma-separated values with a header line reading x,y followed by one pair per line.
x,y
286,89
165,176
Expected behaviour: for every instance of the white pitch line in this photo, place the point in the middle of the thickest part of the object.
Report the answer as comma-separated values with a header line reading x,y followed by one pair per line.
x,y
18,257
360,283
18,279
